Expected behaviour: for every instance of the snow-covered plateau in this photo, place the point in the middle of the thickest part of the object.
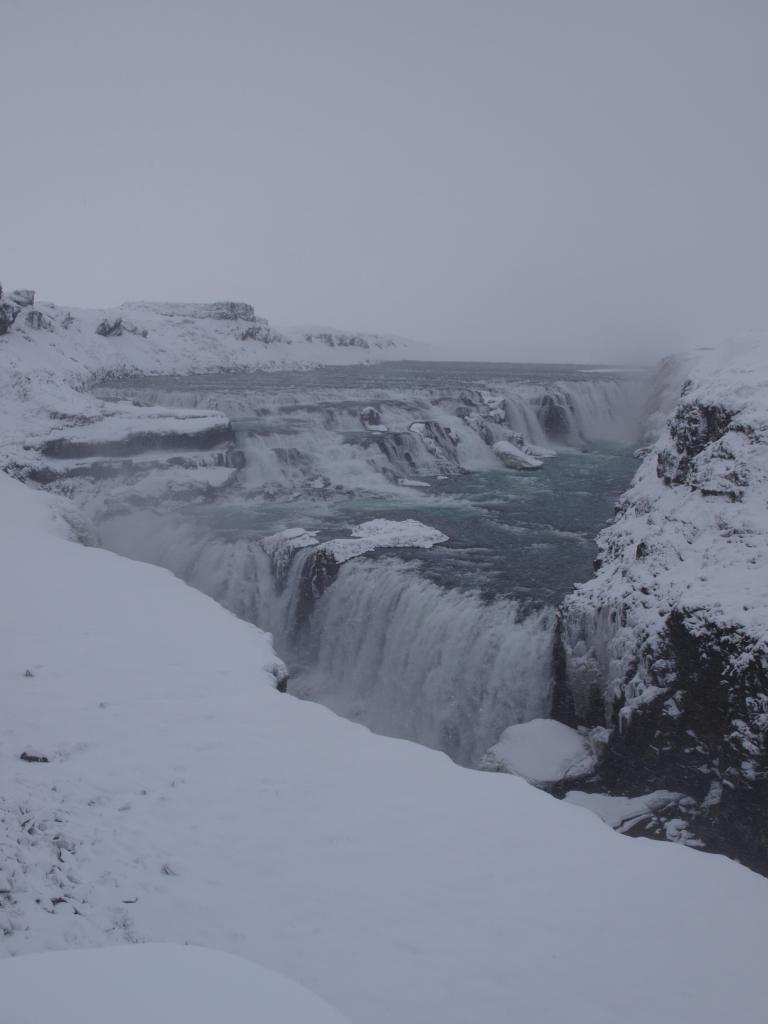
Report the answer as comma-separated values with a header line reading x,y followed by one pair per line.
x,y
160,788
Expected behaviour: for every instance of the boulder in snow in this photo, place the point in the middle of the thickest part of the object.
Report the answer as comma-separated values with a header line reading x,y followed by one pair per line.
x,y
542,751
119,326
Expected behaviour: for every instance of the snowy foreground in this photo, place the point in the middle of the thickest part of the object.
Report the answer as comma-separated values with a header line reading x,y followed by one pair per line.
x,y
185,800
152,984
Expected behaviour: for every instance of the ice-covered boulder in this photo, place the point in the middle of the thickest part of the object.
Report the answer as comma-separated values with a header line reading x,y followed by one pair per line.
x,y
514,457
542,751
383,533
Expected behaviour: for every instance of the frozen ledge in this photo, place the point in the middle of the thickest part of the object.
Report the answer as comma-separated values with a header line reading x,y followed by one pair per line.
x,y
366,537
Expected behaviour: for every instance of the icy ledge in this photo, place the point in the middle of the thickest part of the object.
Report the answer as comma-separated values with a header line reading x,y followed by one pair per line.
x,y
372,535
184,800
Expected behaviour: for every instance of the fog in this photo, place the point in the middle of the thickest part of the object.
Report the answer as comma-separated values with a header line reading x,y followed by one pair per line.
x,y
521,179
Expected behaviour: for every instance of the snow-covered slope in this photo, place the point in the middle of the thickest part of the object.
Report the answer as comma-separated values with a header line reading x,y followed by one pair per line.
x,y
168,337
668,644
152,984
170,793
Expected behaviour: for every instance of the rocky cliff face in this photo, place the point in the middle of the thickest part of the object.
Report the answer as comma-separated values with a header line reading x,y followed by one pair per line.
x,y
664,653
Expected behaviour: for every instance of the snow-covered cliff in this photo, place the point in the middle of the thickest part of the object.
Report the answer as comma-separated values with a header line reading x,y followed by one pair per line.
x,y
665,651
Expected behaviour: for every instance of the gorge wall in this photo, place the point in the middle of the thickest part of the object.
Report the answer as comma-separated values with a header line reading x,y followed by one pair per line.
x,y
663,655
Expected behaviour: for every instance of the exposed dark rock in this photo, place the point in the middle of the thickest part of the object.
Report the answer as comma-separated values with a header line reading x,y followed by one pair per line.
x,y
22,297
8,314
554,418
370,416
261,331
229,311
33,758
38,321
679,687
235,458
9,310
692,428
318,573
119,326
142,441
110,328
704,733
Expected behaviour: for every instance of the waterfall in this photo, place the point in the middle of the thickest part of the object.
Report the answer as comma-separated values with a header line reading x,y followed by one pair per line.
x,y
373,638
410,659
355,438
379,644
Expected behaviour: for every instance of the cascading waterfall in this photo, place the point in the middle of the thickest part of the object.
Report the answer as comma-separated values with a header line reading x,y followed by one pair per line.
x,y
407,652
411,659
318,436
380,645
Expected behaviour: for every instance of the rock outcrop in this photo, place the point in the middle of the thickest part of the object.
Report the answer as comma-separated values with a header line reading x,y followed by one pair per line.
x,y
9,310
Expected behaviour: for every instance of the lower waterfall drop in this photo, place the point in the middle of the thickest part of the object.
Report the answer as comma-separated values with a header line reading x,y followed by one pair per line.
x,y
408,658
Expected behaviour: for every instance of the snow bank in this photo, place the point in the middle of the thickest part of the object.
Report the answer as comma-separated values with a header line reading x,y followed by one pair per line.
x,y
152,984
184,800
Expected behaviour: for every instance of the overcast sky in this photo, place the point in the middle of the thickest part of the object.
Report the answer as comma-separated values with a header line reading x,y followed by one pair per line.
x,y
581,180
